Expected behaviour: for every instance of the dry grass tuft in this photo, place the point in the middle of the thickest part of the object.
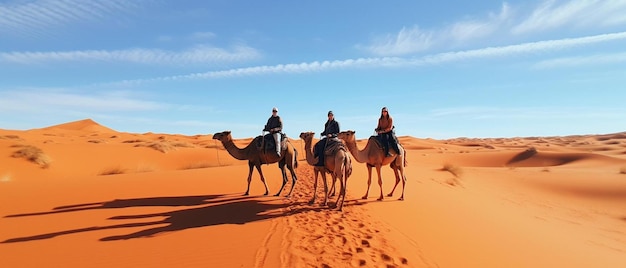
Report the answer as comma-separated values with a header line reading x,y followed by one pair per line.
x,y
198,165
10,137
133,141
146,168
159,146
182,144
455,170
113,171
33,154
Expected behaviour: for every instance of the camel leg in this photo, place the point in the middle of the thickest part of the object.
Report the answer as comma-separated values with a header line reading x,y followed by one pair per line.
x,y
403,182
332,187
342,191
380,182
258,168
294,179
282,170
369,181
315,187
324,178
250,167
395,172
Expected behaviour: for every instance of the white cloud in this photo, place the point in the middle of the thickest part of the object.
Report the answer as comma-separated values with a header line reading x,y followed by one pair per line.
x,y
28,17
198,54
510,22
582,61
38,100
390,62
553,14
414,39
407,41
549,45
551,112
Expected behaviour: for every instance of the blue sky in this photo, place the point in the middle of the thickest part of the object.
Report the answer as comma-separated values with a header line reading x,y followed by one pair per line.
x,y
444,68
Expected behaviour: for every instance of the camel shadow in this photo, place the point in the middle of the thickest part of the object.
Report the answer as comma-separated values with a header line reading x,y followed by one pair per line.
x,y
172,201
207,211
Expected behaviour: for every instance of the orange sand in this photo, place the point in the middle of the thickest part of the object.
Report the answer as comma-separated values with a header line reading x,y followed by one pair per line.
x,y
101,198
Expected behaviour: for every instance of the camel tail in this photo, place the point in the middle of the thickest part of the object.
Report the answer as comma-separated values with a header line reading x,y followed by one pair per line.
x,y
405,161
347,163
295,159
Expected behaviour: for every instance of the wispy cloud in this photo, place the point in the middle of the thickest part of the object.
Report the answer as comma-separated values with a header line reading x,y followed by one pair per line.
x,y
38,100
525,48
415,39
389,62
554,14
508,21
28,17
552,112
198,54
582,61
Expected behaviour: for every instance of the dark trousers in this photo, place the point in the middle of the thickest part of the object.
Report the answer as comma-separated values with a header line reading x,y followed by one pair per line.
x,y
318,151
388,139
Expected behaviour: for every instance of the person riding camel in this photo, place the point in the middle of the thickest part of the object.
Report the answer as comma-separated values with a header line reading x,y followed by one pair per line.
x,y
385,131
331,129
274,126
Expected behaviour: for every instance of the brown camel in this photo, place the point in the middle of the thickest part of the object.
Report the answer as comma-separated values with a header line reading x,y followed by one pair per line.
x,y
374,156
339,165
256,156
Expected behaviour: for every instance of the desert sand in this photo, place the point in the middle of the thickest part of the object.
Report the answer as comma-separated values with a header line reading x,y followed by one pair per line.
x,y
80,194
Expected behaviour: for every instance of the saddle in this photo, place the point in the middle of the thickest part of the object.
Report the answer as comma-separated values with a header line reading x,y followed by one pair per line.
x,y
267,142
333,145
393,143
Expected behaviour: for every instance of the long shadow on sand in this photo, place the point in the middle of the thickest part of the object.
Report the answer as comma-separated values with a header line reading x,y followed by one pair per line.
x,y
209,210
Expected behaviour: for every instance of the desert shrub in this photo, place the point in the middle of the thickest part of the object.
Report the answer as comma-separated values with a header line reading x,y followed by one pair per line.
x,y
197,165
455,170
32,154
113,171
159,146
182,144
133,141
622,170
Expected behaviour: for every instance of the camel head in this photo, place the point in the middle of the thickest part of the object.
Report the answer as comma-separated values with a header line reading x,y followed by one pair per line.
x,y
307,136
347,136
223,136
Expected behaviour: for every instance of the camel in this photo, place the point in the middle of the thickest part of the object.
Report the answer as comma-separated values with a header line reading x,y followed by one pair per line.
x,y
374,156
256,156
339,165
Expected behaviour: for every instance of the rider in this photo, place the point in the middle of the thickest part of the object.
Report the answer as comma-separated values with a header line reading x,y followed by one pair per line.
x,y
385,131
331,129
274,126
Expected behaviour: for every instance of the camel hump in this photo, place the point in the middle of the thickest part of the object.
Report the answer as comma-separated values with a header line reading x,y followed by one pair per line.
x,y
376,140
269,144
333,145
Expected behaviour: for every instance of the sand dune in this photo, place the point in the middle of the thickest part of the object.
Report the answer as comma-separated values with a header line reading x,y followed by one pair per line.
x,y
113,199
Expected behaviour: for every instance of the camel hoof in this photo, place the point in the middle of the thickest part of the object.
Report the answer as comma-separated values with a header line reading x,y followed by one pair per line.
x,y
380,199
311,202
245,194
275,194
364,197
390,195
401,198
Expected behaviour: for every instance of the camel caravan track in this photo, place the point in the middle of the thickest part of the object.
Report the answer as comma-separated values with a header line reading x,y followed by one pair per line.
x,y
316,236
